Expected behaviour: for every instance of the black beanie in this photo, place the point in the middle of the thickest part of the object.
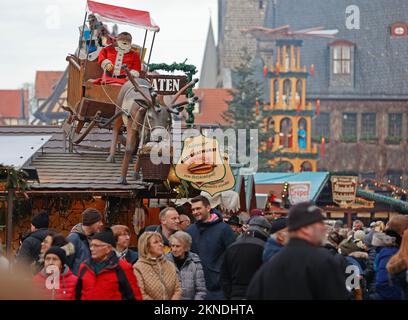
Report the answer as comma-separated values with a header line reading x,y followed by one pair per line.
x,y
40,220
106,235
303,214
91,216
59,252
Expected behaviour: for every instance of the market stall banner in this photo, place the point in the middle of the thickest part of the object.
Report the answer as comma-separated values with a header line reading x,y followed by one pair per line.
x,y
227,183
299,192
344,190
201,164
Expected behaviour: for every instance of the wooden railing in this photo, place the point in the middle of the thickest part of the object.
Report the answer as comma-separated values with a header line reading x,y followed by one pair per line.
x,y
75,89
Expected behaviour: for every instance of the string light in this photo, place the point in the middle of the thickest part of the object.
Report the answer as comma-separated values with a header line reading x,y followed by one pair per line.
x,y
396,191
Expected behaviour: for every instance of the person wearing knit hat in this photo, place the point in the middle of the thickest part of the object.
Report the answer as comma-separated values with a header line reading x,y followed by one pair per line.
x,y
40,221
105,276
302,270
255,213
235,225
60,253
105,236
81,235
260,224
30,249
91,216
55,267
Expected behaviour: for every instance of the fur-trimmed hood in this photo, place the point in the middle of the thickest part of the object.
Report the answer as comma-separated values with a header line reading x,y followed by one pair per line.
x,y
382,240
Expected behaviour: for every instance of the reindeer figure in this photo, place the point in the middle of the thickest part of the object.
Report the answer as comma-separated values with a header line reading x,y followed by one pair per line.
x,y
142,111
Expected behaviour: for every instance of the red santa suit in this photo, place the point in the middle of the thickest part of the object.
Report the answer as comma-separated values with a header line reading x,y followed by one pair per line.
x,y
117,57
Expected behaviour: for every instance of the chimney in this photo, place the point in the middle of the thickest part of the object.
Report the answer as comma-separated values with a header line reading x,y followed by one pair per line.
x,y
22,111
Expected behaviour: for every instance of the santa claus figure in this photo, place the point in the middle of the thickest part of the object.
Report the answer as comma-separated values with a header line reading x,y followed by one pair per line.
x,y
113,57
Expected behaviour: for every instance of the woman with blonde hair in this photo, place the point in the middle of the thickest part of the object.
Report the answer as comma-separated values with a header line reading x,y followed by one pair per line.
x,y
156,276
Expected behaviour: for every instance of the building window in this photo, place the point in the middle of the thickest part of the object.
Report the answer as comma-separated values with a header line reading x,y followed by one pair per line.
x,y
287,92
394,177
349,128
395,124
306,167
342,60
321,127
368,126
286,133
261,4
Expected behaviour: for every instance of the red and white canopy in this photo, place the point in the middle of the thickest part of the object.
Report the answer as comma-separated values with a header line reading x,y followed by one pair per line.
x,y
110,13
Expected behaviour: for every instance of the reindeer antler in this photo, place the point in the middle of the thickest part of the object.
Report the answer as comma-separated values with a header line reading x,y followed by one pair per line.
x,y
188,85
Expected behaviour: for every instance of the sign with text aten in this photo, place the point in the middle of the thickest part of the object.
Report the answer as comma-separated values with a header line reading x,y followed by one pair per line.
x,y
167,84
344,190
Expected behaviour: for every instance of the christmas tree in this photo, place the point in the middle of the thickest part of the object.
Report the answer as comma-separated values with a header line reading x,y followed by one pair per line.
x,y
245,109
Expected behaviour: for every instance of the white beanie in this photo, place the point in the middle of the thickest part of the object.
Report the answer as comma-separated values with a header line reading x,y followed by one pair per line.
x,y
359,235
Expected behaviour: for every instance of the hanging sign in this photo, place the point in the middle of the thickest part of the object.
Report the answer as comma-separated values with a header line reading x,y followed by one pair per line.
x,y
299,192
167,84
227,183
344,190
201,164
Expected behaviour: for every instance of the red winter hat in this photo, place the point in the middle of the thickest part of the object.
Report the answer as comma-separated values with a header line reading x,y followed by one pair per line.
x,y
256,212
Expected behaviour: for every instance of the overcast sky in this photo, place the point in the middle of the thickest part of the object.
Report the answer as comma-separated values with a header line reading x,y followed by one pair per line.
x,y
38,34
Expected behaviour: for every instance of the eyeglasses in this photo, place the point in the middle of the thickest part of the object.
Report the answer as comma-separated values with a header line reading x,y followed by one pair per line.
x,y
92,245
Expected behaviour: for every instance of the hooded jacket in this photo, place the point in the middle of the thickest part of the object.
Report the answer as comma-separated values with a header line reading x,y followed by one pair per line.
x,y
31,246
191,276
157,279
81,244
67,283
210,240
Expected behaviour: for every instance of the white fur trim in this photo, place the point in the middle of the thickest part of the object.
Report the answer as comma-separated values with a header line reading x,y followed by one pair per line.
x,y
134,73
105,63
118,62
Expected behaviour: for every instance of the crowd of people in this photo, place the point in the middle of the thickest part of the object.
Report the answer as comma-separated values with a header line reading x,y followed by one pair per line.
x,y
206,256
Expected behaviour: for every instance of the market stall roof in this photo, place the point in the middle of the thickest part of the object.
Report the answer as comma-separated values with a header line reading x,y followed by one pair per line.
x,y
110,13
317,180
82,172
17,150
401,205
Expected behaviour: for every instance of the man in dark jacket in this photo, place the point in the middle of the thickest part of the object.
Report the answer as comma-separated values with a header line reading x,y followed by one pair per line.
x,y
243,258
211,237
302,270
80,236
31,246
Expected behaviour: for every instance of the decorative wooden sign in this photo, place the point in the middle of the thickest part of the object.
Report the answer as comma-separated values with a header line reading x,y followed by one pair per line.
x,y
344,190
167,84
201,161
